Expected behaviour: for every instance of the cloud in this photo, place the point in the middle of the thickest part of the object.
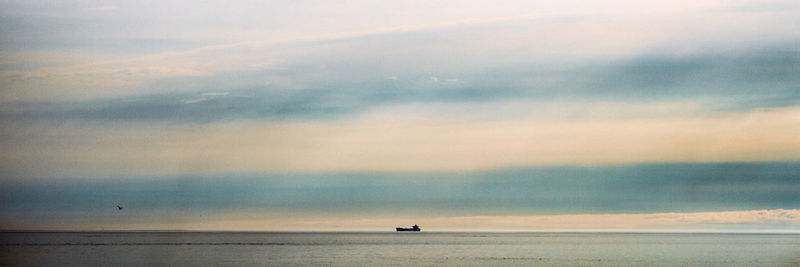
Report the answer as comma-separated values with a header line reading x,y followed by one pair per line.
x,y
101,8
214,94
761,6
675,196
761,78
552,39
394,142
205,97
196,100
111,91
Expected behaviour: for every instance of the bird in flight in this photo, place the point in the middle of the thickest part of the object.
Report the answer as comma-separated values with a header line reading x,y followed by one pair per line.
x,y
119,207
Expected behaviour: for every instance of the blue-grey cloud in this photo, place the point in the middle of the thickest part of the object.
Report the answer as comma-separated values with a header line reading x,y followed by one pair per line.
x,y
648,188
84,35
762,78
763,6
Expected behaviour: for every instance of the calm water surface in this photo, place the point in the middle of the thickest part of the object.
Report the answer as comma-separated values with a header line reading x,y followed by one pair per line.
x,y
400,249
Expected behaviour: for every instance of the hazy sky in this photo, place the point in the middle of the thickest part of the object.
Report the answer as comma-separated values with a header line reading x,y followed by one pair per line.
x,y
360,115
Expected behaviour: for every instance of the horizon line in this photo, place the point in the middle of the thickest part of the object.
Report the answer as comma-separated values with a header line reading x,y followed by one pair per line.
x,y
565,231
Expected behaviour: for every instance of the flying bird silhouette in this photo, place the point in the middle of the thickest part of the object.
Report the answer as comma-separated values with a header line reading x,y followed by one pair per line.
x,y
119,208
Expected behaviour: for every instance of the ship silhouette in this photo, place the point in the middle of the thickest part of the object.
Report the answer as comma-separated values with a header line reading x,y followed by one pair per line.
x,y
414,228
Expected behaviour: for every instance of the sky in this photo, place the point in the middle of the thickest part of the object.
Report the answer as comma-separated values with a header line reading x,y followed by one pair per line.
x,y
368,115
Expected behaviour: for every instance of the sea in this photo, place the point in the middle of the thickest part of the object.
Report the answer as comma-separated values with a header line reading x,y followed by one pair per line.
x,y
395,249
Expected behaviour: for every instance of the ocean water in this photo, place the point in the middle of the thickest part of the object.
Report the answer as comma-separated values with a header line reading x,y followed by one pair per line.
x,y
395,249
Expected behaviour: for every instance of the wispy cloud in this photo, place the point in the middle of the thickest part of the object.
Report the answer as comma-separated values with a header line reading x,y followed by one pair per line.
x,y
195,100
214,94
101,8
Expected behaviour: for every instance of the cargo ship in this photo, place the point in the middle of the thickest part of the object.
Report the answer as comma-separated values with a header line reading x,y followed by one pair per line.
x,y
414,228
